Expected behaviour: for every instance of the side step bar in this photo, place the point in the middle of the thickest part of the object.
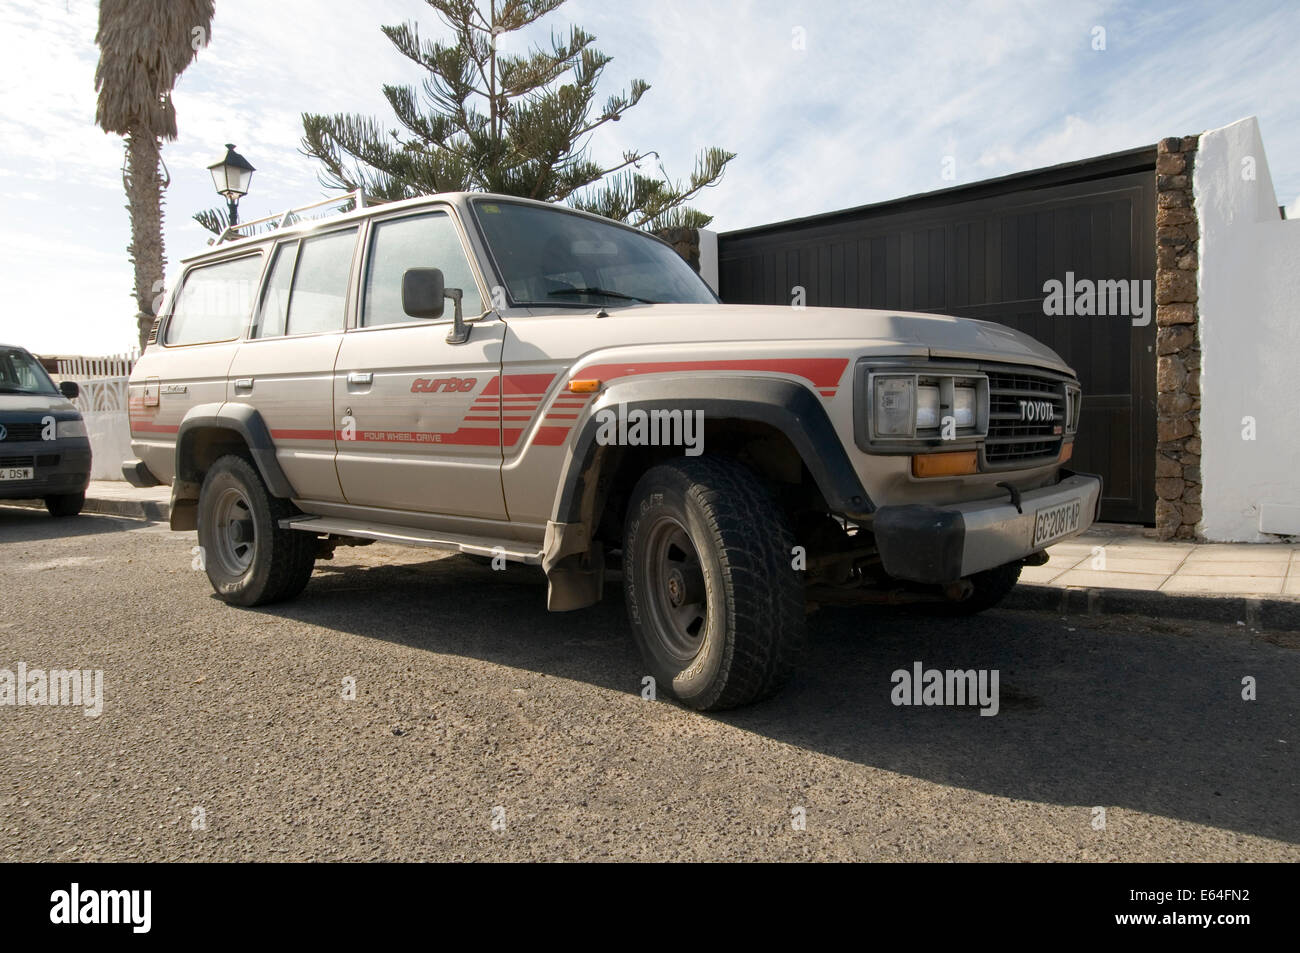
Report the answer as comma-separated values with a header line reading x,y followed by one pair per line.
x,y
511,549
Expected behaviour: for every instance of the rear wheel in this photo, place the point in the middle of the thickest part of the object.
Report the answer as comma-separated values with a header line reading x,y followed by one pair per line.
x,y
65,504
716,606
249,558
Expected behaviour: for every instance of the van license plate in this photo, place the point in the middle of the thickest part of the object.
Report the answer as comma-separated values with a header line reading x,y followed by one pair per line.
x,y
17,473
1055,522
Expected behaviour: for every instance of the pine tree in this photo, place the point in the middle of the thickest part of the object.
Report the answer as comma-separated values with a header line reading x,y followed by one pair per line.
x,y
515,124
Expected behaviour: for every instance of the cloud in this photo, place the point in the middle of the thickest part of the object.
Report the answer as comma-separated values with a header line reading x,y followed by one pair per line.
x,y
863,109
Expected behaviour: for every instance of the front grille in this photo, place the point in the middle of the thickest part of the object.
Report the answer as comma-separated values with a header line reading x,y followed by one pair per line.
x,y
15,461
14,433
1028,433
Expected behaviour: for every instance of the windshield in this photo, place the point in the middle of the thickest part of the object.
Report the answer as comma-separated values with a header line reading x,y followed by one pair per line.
x,y
548,256
20,373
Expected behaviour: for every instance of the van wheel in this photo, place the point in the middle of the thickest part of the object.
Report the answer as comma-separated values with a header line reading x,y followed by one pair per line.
x,y
716,606
250,559
65,504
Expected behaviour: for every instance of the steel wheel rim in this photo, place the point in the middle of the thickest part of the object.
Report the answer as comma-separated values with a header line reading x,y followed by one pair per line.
x,y
674,579
235,531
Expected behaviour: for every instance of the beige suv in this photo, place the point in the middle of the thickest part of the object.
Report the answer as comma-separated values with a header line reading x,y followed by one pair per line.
x,y
513,379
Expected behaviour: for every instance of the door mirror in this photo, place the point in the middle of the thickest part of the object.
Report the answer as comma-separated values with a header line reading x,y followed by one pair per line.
x,y
423,293
70,389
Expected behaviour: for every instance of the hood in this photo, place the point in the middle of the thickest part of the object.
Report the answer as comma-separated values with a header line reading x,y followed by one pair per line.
x,y
878,331
35,404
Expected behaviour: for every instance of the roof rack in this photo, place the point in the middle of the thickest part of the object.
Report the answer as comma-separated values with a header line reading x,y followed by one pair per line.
x,y
291,216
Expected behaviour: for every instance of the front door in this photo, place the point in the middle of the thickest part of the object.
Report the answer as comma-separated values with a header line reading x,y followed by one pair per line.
x,y
419,420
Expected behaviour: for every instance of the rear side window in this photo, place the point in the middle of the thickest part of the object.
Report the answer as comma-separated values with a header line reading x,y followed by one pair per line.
x,y
307,287
420,241
274,310
214,302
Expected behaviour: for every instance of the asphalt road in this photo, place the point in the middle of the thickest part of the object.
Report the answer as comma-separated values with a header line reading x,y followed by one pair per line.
x,y
485,728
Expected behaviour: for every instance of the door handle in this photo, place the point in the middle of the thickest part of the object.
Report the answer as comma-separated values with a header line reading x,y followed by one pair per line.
x,y
244,383
361,377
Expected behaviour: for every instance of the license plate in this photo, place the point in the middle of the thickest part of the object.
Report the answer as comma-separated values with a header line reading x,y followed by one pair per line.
x,y
17,473
1056,521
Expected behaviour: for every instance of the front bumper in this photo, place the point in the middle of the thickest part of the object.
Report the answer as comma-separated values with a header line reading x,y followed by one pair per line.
x,y
941,544
61,466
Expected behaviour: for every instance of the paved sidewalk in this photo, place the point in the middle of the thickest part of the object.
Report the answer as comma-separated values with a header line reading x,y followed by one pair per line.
x,y
119,498
1122,557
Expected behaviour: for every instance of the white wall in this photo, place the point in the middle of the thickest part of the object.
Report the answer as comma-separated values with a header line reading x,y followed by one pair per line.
x,y
709,257
110,443
1249,303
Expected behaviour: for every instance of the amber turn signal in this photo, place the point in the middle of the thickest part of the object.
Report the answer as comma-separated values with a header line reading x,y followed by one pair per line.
x,y
945,464
584,387
1067,451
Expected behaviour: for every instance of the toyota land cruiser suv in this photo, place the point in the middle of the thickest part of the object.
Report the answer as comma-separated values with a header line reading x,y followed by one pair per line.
x,y
519,380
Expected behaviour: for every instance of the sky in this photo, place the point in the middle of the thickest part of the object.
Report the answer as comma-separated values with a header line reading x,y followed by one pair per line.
x,y
827,104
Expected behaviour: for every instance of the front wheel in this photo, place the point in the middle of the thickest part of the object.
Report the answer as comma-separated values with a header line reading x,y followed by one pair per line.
x,y
250,560
65,504
717,609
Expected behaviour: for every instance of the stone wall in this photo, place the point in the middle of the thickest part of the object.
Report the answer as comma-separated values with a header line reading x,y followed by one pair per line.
x,y
1178,348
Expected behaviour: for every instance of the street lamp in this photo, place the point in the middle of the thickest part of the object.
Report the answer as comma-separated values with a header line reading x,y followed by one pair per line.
x,y
231,175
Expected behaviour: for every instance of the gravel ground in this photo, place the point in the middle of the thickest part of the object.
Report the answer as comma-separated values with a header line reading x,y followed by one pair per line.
x,y
475,709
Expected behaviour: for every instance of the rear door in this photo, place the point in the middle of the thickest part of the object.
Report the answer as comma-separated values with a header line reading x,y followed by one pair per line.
x,y
285,367
420,419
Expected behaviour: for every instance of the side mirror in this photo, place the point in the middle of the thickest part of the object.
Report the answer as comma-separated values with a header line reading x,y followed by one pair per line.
x,y
423,294
70,389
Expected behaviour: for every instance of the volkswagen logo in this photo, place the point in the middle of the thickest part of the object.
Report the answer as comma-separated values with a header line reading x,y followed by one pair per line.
x,y
4,434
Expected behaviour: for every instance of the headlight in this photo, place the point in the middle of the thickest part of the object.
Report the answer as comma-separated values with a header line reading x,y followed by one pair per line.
x,y
965,407
1073,407
927,405
893,406
70,428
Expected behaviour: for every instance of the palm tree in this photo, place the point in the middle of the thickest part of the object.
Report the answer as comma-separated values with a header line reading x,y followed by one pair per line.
x,y
144,45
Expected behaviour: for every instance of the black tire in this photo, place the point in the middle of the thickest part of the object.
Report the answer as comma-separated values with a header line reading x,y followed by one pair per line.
x,y
991,587
65,504
716,607
276,563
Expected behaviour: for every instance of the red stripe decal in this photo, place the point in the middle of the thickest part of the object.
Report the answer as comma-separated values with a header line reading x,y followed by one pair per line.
x,y
153,428
551,436
820,371
304,434
535,384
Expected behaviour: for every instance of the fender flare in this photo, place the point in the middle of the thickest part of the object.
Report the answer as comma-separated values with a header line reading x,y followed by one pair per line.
x,y
786,405
244,420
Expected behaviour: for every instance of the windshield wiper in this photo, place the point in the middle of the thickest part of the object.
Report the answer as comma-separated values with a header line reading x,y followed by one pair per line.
x,y
600,291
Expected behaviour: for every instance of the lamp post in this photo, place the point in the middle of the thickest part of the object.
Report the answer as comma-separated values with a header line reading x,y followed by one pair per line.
x,y
231,175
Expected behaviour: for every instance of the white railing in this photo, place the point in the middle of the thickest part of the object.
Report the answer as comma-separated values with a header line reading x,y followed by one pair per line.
x,y
103,406
102,381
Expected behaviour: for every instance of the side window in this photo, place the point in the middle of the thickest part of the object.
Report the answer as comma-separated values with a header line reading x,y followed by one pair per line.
x,y
214,302
421,241
320,283
274,309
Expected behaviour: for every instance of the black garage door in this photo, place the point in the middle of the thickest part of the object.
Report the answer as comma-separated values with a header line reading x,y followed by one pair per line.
x,y
985,251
